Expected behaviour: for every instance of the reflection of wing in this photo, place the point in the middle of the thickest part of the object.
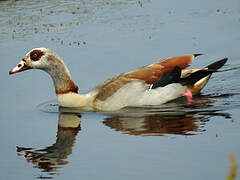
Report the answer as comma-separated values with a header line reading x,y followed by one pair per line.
x,y
154,125
147,74
51,158
167,122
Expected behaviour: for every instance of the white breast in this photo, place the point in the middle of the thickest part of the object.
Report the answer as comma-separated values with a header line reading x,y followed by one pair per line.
x,y
137,93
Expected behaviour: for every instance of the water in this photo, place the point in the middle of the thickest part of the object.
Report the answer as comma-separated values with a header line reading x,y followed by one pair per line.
x,y
99,39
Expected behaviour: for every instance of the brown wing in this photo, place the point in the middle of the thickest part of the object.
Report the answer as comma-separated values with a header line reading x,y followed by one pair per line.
x,y
153,73
148,74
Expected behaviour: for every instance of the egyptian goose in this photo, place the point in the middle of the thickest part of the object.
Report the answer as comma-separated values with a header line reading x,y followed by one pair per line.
x,y
155,84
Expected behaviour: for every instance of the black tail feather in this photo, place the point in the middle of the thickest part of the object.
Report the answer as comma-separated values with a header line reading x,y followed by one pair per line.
x,y
199,54
217,65
195,77
175,75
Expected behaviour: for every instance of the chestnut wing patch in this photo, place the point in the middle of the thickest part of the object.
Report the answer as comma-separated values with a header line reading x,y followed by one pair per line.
x,y
153,73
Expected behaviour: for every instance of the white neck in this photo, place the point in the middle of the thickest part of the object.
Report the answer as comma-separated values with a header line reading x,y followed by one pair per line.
x,y
66,90
72,99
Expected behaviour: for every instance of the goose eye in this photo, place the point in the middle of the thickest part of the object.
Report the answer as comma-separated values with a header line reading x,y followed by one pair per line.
x,y
35,55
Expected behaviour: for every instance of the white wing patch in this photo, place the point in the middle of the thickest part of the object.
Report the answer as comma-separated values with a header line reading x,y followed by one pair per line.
x,y
138,94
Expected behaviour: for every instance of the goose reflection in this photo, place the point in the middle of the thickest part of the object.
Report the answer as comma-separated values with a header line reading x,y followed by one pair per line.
x,y
140,121
171,123
51,158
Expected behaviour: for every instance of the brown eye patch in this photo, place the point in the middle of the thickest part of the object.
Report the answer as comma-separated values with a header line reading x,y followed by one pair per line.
x,y
35,55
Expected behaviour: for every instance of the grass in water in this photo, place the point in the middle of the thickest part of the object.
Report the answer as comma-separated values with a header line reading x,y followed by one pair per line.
x,y
232,174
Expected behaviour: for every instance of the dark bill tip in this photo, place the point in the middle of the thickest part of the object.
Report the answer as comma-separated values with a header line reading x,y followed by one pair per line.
x,y
10,72
20,67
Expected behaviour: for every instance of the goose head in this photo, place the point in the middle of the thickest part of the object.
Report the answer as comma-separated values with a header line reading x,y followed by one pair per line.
x,y
48,61
38,58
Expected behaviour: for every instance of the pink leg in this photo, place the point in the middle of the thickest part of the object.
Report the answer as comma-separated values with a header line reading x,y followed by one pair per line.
x,y
188,95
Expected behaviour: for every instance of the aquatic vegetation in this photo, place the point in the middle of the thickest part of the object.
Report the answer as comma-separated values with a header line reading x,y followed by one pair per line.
x,y
232,174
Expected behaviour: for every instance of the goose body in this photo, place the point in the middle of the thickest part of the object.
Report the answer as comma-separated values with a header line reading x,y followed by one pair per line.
x,y
155,84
